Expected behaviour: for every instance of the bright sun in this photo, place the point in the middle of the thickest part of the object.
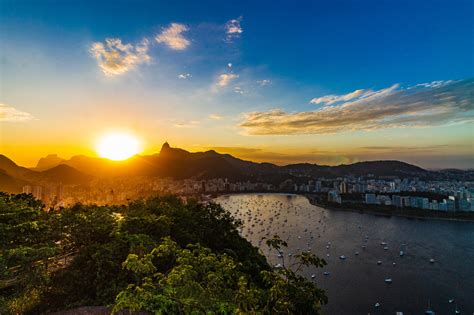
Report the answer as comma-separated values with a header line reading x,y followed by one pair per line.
x,y
117,146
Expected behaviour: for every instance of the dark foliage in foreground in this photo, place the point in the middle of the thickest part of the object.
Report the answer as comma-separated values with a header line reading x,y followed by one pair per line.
x,y
159,255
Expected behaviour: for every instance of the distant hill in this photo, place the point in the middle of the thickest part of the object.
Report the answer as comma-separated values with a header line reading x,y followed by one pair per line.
x,y
382,168
169,162
48,162
180,164
210,164
13,177
13,169
64,174
10,184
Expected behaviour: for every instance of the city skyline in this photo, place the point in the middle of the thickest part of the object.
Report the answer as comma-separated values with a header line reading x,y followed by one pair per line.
x,y
319,83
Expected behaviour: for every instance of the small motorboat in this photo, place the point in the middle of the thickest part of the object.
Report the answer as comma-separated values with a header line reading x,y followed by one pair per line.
x,y
401,253
326,273
456,311
429,311
379,262
432,261
313,276
377,304
342,257
388,280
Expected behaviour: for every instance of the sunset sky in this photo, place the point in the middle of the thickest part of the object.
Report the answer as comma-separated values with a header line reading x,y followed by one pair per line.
x,y
322,82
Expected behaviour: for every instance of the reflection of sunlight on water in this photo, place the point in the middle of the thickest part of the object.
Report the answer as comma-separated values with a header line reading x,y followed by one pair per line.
x,y
358,281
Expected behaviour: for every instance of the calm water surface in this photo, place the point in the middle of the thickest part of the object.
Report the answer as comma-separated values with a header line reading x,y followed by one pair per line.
x,y
357,283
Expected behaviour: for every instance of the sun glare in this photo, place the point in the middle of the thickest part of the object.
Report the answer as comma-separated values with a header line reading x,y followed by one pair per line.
x,y
117,146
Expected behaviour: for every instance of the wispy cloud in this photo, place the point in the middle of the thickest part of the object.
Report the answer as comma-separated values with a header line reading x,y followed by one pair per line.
x,y
233,28
392,107
264,82
331,99
11,114
434,84
172,36
225,78
215,117
115,58
238,90
184,76
187,124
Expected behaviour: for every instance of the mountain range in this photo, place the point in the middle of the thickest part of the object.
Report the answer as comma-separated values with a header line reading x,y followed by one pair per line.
x,y
180,164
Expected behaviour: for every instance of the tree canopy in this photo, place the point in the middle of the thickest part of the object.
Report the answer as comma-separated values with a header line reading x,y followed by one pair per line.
x,y
159,255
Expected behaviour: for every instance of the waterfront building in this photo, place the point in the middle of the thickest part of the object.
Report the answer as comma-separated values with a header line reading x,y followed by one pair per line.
x,y
370,199
27,189
397,201
333,196
343,188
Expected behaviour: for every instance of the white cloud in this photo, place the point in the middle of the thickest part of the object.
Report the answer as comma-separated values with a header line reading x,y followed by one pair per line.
x,y
434,84
11,114
264,82
393,107
215,117
331,99
172,36
233,28
225,78
238,90
115,58
184,76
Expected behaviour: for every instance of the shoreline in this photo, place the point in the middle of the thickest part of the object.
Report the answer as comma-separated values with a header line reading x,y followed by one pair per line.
x,y
312,200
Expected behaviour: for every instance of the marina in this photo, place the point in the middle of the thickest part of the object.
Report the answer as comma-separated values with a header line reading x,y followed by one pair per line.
x,y
376,264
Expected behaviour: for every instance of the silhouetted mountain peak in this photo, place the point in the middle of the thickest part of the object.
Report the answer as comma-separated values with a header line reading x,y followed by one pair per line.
x,y
50,161
168,151
179,163
65,174
165,147
12,168
6,162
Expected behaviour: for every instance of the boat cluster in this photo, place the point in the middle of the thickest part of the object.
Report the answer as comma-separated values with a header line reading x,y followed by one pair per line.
x,y
263,218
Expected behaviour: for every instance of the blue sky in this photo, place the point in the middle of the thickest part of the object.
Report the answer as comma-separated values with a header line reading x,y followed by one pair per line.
x,y
284,56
